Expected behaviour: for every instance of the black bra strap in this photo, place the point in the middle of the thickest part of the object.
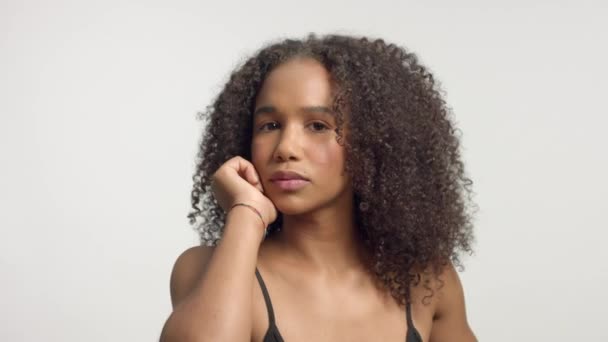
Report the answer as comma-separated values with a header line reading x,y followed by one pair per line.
x,y
411,329
266,297
408,313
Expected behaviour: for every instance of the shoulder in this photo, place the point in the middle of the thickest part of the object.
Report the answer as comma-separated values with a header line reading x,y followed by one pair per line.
x,y
449,318
450,291
187,269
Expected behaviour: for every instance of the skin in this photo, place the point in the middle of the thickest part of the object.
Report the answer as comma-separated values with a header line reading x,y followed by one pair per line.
x,y
313,267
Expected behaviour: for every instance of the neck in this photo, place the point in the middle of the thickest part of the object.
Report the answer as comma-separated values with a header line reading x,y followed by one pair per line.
x,y
325,240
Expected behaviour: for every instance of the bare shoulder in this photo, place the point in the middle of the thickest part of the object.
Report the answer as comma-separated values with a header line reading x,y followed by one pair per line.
x,y
450,319
450,290
187,270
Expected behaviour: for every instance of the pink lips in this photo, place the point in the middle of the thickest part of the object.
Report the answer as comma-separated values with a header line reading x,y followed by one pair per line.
x,y
290,184
289,180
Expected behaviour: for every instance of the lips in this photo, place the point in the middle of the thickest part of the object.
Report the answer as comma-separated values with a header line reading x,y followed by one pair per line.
x,y
287,175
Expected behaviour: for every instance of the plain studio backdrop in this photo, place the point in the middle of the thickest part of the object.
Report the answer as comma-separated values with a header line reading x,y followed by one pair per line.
x,y
98,136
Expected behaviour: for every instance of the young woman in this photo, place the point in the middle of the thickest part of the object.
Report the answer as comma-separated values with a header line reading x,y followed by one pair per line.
x,y
330,175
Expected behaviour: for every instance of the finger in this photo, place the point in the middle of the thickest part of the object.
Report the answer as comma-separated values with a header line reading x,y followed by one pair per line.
x,y
239,165
252,175
247,171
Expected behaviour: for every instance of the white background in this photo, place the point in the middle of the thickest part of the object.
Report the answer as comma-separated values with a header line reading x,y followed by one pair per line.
x,y
98,137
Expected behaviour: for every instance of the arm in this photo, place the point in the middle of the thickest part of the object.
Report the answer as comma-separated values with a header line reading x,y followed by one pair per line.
x,y
211,288
450,321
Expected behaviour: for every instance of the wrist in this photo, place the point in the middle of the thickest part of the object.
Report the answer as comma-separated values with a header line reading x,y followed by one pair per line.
x,y
247,215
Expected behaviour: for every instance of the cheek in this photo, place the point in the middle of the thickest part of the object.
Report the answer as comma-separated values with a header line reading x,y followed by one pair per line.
x,y
324,156
257,153
331,156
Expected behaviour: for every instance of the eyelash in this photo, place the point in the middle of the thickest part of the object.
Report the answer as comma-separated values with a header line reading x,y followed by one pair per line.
x,y
325,127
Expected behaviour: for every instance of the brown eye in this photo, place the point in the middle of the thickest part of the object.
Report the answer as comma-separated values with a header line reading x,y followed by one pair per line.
x,y
319,126
270,125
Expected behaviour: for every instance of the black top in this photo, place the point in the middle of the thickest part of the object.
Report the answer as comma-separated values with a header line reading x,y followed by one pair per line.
x,y
273,334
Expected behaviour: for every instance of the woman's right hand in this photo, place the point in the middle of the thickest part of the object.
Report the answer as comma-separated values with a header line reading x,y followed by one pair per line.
x,y
237,181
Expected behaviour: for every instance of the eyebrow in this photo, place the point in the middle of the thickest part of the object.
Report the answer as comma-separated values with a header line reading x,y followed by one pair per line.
x,y
306,109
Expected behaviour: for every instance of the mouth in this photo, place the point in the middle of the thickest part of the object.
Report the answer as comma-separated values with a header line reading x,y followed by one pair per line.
x,y
287,175
290,184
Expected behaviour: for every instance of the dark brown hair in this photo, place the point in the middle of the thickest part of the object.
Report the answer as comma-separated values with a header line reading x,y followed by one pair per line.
x,y
412,196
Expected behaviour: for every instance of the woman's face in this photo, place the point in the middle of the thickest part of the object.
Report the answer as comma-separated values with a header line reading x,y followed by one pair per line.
x,y
293,130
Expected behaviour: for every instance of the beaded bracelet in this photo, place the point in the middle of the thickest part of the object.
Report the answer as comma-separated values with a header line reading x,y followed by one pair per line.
x,y
256,211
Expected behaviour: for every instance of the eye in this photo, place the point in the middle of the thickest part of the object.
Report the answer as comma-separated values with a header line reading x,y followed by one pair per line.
x,y
319,126
271,125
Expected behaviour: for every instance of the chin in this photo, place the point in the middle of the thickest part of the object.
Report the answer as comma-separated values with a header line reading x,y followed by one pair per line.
x,y
291,205
288,206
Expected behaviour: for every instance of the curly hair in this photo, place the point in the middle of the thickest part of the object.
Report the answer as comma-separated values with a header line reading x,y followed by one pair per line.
x,y
411,193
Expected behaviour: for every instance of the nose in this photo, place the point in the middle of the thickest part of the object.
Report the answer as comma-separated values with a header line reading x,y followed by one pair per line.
x,y
287,147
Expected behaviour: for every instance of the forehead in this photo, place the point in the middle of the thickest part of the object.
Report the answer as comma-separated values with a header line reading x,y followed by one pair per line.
x,y
299,82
